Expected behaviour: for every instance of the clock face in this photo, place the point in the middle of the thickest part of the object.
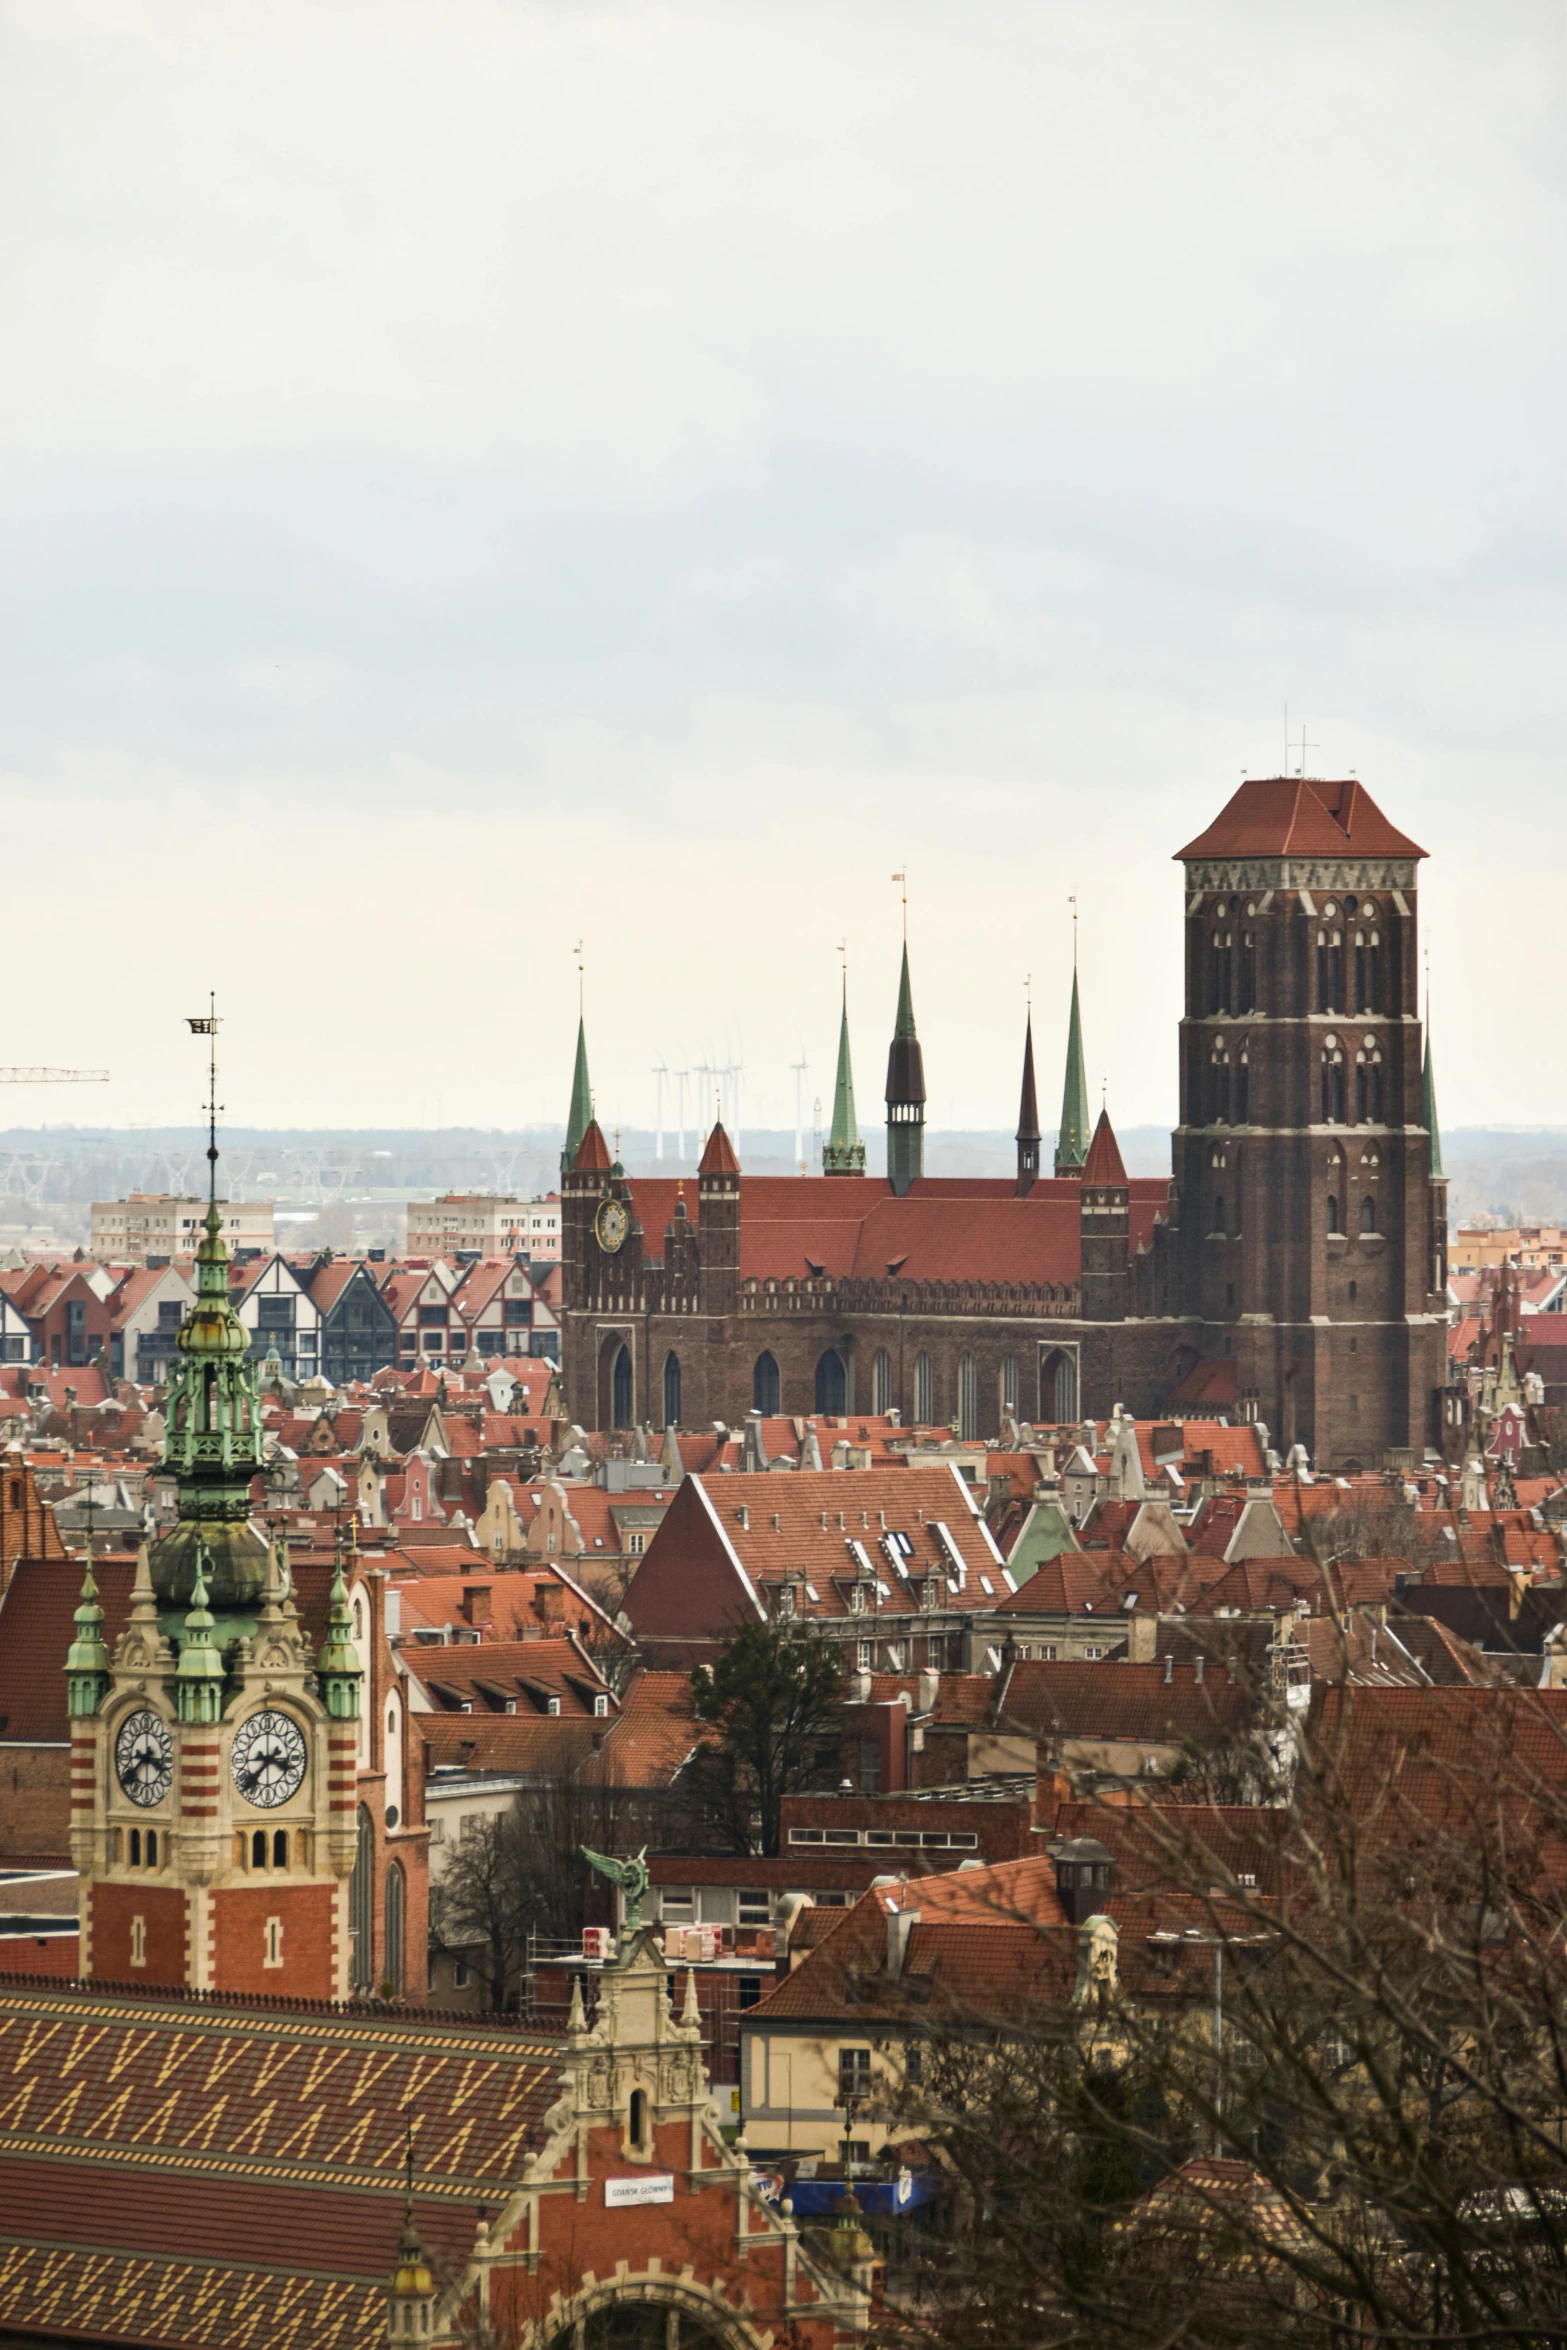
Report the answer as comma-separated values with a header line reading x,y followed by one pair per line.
x,y
144,1757
269,1759
611,1225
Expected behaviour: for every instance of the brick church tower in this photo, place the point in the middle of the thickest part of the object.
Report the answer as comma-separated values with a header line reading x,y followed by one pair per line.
x,y
213,1788
1313,1211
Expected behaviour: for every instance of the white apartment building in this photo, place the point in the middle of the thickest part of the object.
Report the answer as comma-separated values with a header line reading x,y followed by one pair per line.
x,y
160,1224
487,1224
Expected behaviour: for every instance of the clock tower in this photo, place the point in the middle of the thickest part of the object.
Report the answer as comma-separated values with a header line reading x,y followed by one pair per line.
x,y
213,1755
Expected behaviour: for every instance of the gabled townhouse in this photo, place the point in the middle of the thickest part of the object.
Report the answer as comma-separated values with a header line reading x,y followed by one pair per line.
x,y
358,1330
493,1309
147,1308
894,1563
419,1298
16,1336
65,1305
272,1301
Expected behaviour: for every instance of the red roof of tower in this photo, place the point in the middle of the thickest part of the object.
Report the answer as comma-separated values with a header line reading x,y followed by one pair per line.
x,y
1104,1163
592,1152
719,1156
1296,816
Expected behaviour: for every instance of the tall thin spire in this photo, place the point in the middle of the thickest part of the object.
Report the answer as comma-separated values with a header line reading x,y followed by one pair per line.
x,y
1428,1103
843,1153
1073,1138
905,1092
1028,1137
580,1116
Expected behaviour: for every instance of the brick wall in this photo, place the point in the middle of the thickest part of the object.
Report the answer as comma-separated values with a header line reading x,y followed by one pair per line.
x,y
112,1910
307,1915
35,1802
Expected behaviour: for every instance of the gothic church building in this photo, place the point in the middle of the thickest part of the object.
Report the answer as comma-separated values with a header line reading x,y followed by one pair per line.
x,y
1292,1269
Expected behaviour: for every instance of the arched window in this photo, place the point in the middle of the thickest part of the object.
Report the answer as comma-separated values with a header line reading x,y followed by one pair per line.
x,y
968,1400
1368,1083
258,1848
1009,1387
1240,1097
1333,1223
152,1848
1330,971
924,1391
1058,1388
671,1390
832,1388
1368,1214
620,1389
1333,1090
1219,1085
637,2131
395,1912
1218,1211
280,1848
764,1385
135,1848
1248,1002
1368,970
361,1907
881,1382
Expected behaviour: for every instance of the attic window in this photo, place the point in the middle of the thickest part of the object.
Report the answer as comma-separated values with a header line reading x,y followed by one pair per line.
x,y
813,1594
552,1705
987,1587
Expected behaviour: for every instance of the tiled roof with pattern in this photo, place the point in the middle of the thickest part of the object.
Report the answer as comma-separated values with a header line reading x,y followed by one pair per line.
x,y
191,2174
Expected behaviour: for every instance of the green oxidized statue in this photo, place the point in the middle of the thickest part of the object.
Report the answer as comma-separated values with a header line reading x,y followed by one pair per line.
x,y
630,1875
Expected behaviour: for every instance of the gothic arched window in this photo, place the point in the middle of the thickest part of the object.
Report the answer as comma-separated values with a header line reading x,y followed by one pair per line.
x,y
620,1389
832,1387
1221,971
396,1911
361,1907
968,1399
1368,1083
1008,1386
1248,999
924,1391
1058,1388
764,1385
1368,1214
1368,969
881,1382
1333,1222
1218,1211
1333,1095
671,1390
1330,971
1240,1098
1219,1086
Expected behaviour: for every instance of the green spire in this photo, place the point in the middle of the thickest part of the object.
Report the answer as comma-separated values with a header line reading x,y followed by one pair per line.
x,y
844,1153
338,1670
580,1116
1428,1106
904,1024
198,1677
1073,1139
87,1659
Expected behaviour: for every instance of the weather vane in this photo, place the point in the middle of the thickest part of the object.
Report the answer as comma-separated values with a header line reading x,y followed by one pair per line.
x,y
902,879
207,1025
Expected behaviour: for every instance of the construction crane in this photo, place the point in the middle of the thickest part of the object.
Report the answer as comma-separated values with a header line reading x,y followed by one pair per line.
x,y
54,1076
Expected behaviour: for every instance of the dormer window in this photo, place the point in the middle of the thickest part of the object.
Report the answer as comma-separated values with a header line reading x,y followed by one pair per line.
x,y
552,1705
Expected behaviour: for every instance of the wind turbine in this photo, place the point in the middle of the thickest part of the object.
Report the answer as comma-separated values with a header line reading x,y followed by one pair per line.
x,y
660,1072
799,1067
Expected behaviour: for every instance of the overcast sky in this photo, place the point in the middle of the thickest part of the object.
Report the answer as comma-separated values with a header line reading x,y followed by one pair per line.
x,y
475,477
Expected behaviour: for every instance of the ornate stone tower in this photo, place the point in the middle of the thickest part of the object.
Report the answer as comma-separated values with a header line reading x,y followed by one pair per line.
x,y
1311,1209
213,1759
905,1092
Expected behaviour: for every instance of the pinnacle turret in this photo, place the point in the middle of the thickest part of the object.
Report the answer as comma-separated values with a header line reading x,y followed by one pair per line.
x,y
1028,1136
1428,1107
1073,1138
580,1116
843,1152
198,1677
905,1092
87,1660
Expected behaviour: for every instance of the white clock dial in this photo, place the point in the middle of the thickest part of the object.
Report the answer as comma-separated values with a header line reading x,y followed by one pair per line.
x,y
144,1757
269,1758
611,1226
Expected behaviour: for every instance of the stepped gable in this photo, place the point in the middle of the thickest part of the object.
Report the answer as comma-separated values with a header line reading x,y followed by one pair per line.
x,y
1104,1164
718,1158
592,1152
196,2173
1297,816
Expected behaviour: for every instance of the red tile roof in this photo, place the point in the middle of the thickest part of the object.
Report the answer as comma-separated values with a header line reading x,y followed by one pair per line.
x,y
592,1152
1286,816
1104,1163
718,1157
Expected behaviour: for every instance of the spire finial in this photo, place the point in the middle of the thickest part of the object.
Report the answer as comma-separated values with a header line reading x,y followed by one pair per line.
x,y
207,1026
1072,902
902,879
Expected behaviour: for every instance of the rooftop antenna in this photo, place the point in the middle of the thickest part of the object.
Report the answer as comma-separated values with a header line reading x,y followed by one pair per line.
x,y
799,1067
1301,769
207,1026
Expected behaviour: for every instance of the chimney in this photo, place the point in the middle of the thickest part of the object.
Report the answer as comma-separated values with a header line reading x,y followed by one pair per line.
x,y
476,1603
1085,1871
1169,1666
1197,1665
